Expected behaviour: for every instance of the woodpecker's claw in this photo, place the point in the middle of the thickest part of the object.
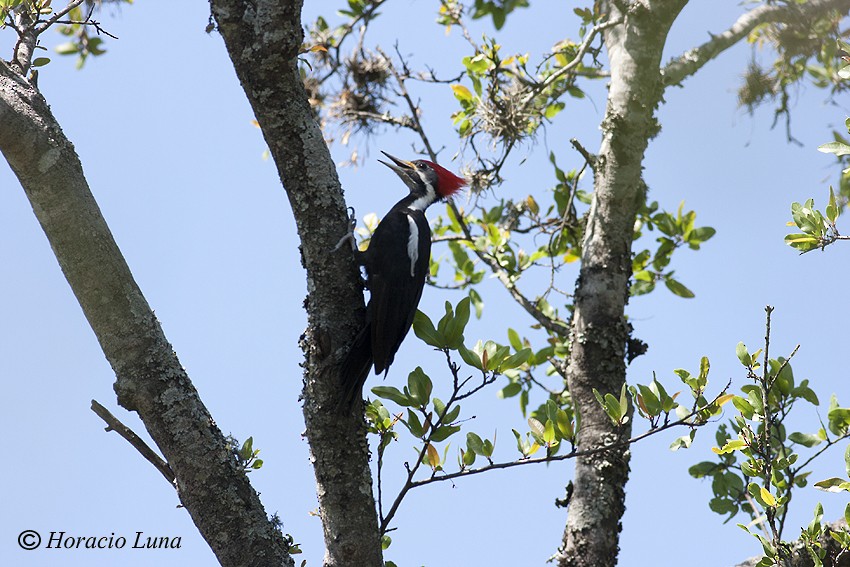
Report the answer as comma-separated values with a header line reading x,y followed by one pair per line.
x,y
352,224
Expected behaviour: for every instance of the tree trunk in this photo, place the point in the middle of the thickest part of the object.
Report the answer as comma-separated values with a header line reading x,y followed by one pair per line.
x,y
263,39
599,330
150,379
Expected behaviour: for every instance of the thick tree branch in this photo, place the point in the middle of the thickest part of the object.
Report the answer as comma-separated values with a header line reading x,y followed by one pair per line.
x,y
691,61
150,379
264,38
599,331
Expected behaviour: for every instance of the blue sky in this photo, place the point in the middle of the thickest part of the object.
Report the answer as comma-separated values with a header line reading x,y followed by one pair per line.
x,y
165,137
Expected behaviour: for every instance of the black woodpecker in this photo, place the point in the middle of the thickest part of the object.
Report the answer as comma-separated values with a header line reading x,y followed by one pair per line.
x,y
396,263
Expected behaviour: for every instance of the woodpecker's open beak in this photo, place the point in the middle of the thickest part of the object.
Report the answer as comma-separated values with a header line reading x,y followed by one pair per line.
x,y
400,166
404,169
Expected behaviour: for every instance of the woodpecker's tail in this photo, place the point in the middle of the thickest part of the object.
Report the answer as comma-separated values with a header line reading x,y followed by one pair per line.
x,y
355,368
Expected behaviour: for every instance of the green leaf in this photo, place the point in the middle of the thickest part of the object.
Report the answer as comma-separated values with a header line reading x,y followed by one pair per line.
x,y
743,406
650,400
704,367
393,394
767,497
94,46
701,234
847,460
247,449
730,446
463,94
477,303
832,209
802,242
837,148
537,429
40,61
806,393
424,329
514,340
839,420
457,323
439,406
515,360
451,416
702,469
469,357
722,506
414,425
474,443
445,320
641,288
549,432
477,65
419,386
68,48
683,442
678,288
467,458
509,391
611,405
553,109
833,485
443,432
565,425
499,16
805,439
743,355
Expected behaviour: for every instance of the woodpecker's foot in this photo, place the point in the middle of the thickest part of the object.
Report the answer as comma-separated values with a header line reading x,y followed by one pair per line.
x,y
349,236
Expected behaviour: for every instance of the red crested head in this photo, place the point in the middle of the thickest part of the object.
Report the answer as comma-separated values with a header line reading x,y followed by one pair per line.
x,y
427,181
447,182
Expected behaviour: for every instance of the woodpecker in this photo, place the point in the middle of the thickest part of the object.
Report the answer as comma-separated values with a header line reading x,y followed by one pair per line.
x,y
396,263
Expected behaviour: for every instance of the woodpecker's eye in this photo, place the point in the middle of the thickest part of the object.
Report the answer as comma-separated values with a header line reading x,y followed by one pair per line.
x,y
420,164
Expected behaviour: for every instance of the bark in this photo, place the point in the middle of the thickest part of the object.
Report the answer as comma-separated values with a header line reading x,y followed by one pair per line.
x,y
599,330
263,38
150,379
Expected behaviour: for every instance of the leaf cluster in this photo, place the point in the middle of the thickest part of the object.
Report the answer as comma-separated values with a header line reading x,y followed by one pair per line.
x,y
676,230
245,454
758,463
818,230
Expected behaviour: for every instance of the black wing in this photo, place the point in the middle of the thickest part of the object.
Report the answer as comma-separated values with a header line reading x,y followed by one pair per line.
x,y
395,286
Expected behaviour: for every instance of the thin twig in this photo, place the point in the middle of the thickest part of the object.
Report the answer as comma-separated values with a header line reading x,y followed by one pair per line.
x,y
456,396
347,28
577,60
759,518
766,449
113,424
588,157
571,455
89,22
59,15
